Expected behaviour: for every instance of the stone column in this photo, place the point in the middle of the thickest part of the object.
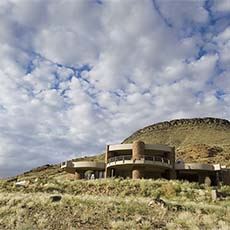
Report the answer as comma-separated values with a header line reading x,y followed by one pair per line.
x,y
138,150
207,181
77,175
136,173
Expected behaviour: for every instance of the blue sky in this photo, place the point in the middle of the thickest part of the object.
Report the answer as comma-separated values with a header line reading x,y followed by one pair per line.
x,y
77,75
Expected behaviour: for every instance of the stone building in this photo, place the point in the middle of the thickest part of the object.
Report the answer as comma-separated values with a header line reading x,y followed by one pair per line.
x,y
139,160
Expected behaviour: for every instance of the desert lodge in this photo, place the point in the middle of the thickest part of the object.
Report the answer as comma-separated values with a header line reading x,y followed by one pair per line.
x,y
139,160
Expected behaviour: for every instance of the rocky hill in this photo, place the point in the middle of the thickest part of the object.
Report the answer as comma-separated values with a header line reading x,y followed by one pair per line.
x,y
199,139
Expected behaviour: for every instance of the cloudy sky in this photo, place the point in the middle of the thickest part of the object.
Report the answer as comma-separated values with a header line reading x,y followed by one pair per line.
x,y
77,74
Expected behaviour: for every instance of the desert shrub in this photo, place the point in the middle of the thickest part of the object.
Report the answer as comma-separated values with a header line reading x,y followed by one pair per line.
x,y
225,189
168,190
51,187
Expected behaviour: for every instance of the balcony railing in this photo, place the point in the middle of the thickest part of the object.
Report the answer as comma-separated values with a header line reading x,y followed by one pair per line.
x,y
143,157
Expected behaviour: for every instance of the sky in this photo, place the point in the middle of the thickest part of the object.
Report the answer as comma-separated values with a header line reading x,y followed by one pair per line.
x,y
76,75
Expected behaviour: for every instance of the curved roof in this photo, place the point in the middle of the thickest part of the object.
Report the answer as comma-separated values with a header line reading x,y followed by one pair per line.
x,y
89,165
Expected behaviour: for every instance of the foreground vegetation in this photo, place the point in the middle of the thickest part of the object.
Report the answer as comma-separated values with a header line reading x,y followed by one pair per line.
x,y
111,204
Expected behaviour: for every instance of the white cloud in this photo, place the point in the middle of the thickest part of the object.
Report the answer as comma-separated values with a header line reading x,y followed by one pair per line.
x,y
222,6
76,76
223,44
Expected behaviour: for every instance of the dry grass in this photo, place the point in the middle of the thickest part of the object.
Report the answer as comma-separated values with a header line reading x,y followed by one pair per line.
x,y
111,204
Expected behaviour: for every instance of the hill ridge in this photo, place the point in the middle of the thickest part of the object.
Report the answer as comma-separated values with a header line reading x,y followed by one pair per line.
x,y
179,122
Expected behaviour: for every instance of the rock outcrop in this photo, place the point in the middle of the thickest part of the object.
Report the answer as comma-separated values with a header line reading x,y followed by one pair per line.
x,y
207,121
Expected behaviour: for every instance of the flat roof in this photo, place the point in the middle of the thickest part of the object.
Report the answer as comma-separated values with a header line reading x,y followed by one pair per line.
x,y
194,166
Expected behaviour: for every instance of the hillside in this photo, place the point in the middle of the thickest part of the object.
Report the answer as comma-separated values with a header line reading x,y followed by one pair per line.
x,y
199,139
